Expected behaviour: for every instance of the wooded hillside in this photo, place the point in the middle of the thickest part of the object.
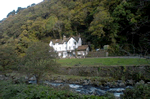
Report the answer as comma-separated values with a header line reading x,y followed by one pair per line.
x,y
122,24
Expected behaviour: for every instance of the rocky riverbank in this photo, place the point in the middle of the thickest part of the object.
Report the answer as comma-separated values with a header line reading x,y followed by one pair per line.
x,y
94,82
113,84
90,80
82,86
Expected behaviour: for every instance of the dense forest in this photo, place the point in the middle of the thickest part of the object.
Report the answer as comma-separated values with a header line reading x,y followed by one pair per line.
x,y
122,24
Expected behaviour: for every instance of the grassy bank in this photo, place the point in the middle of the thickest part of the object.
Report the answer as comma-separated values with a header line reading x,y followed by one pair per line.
x,y
8,90
75,78
103,62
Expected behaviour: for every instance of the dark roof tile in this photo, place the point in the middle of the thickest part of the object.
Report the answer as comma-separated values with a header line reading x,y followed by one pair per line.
x,y
60,41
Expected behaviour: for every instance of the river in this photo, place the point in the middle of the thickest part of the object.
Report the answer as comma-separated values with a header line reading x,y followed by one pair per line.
x,y
88,89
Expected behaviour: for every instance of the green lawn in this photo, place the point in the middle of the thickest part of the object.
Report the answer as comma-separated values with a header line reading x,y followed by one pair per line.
x,y
103,61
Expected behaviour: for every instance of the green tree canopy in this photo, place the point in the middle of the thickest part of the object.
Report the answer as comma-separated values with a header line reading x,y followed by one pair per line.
x,y
101,22
39,59
8,56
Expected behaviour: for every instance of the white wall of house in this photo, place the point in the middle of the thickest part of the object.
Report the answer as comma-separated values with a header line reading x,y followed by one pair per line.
x,y
64,46
50,44
71,45
65,54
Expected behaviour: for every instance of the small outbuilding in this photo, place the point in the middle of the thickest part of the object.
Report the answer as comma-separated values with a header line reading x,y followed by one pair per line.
x,y
82,51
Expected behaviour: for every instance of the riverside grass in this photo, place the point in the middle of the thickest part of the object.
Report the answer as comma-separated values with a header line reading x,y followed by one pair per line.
x,y
9,90
104,62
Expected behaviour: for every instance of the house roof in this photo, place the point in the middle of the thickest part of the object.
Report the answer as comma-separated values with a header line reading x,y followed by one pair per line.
x,y
56,41
82,48
76,38
60,41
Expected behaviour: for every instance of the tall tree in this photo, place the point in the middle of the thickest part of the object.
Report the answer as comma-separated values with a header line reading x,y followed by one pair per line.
x,y
39,58
11,13
59,27
8,56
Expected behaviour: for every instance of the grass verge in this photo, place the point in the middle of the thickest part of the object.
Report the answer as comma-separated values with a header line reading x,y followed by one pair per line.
x,y
103,62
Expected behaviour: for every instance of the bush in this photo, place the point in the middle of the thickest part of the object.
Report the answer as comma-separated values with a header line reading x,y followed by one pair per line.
x,y
23,91
140,91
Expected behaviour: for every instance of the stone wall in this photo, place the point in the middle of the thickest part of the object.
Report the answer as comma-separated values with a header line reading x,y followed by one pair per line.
x,y
101,53
128,72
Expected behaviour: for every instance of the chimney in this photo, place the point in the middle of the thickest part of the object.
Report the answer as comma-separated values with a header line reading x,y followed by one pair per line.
x,y
64,37
79,35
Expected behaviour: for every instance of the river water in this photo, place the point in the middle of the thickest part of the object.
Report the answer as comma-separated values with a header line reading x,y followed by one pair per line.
x,y
89,89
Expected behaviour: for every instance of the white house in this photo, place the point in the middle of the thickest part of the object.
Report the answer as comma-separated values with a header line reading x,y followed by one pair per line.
x,y
67,47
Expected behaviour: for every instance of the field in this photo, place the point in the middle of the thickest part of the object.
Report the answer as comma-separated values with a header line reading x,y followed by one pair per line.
x,y
103,62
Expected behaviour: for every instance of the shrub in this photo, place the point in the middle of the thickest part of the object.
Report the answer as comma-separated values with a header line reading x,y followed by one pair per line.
x,y
23,91
39,59
140,91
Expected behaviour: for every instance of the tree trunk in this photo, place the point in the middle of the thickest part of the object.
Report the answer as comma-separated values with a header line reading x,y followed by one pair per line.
x,y
60,34
54,34
37,80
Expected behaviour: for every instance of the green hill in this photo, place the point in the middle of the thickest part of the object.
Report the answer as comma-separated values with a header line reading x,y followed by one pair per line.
x,y
123,24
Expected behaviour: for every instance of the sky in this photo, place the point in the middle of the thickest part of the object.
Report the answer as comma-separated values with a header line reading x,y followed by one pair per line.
x,y
7,6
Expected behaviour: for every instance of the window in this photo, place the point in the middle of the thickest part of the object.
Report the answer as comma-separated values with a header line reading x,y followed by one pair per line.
x,y
75,43
69,47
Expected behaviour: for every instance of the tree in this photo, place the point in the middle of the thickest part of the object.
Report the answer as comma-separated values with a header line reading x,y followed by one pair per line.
x,y
101,22
19,9
39,59
11,13
8,56
131,24
50,24
33,4
59,27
